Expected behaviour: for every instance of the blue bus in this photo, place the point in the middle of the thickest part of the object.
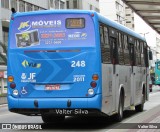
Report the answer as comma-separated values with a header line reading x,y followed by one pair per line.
x,y
156,77
73,62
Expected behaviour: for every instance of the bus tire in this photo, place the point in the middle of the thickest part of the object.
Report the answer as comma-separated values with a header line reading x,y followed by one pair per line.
x,y
139,108
49,118
119,115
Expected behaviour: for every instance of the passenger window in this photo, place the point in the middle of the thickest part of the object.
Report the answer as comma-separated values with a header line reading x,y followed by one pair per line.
x,y
146,55
105,47
120,49
106,36
101,34
126,51
142,54
138,53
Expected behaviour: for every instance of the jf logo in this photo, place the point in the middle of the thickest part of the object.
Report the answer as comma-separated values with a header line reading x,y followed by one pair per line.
x,y
30,64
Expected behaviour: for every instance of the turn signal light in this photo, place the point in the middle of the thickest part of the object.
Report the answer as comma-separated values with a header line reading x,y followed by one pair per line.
x,y
95,77
10,78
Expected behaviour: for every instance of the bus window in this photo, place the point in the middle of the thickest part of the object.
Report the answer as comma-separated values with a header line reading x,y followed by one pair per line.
x,y
126,51
146,55
120,49
101,35
113,45
138,53
142,53
131,51
105,47
158,65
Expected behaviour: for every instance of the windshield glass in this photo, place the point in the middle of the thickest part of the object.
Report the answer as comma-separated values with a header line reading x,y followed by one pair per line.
x,y
158,65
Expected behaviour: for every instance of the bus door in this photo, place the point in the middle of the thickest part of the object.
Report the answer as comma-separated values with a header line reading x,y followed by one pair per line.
x,y
132,62
114,58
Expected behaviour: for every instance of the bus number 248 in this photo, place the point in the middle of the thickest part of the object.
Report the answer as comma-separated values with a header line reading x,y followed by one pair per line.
x,y
78,64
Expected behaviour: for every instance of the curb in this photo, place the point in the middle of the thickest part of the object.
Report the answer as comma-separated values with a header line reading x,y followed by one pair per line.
x,y
3,105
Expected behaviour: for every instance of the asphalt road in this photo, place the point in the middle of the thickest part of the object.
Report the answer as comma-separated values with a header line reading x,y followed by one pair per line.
x,y
151,114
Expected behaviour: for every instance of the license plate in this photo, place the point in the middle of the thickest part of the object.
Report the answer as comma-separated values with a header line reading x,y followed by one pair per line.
x,y
52,87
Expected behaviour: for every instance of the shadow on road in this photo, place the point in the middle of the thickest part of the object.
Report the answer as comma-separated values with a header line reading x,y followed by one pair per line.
x,y
89,123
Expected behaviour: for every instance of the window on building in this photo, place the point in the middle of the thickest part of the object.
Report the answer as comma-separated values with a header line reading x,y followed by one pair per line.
x,y
75,4
128,14
36,8
14,4
5,37
128,21
97,10
21,6
5,4
51,3
67,3
28,7
56,3
90,7
5,31
117,5
41,8
62,5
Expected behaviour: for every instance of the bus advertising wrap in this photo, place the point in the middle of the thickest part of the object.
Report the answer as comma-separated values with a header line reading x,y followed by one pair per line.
x,y
52,30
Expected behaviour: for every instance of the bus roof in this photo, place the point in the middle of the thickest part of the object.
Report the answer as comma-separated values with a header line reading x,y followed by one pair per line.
x,y
119,27
100,17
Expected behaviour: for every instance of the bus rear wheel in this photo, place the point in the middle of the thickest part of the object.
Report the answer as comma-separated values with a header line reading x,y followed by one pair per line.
x,y
49,118
119,115
139,108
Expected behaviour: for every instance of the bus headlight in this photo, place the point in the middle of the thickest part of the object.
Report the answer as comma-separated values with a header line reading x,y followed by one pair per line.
x,y
15,92
90,91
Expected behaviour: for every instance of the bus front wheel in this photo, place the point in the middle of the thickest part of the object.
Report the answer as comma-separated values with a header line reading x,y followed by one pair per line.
x,y
49,118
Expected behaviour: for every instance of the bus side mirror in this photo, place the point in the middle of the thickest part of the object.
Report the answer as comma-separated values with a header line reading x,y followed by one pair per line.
x,y
150,55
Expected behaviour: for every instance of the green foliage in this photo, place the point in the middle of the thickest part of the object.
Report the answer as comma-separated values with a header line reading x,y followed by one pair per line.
x,y
3,95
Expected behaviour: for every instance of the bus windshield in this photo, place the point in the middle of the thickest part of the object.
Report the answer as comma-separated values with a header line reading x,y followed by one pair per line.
x,y
158,65
52,30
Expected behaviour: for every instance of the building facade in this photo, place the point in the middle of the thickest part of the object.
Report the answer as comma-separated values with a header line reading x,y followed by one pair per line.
x,y
83,4
129,17
113,9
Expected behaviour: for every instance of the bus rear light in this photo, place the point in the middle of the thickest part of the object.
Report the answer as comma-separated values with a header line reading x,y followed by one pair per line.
x,y
92,14
10,78
93,84
12,85
95,77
